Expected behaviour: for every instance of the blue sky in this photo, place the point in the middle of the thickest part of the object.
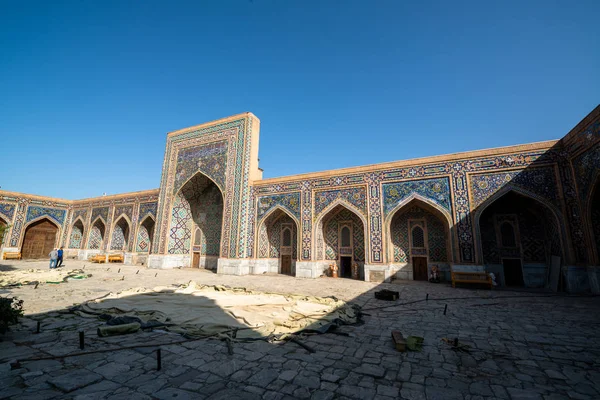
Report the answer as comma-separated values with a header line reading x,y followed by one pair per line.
x,y
88,89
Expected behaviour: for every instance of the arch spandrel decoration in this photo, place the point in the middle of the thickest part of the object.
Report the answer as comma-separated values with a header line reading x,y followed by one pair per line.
x,y
8,210
35,212
541,181
230,168
289,202
436,190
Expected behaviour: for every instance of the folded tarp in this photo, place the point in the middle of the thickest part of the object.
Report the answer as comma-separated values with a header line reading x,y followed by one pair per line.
x,y
198,311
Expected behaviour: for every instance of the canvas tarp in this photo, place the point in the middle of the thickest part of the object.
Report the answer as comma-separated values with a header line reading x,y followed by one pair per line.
x,y
33,276
198,311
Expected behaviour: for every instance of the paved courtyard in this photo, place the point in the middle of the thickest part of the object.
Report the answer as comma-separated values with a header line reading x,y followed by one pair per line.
x,y
520,345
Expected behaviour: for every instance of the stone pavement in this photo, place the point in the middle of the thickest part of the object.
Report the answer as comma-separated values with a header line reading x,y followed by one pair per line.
x,y
522,346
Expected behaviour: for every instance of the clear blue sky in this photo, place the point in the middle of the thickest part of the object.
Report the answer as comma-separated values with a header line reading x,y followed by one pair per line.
x,y
88,89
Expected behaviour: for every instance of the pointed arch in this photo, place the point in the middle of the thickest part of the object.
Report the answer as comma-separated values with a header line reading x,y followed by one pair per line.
x,y
318,229
558,217
97,234
40,236
199,202
77,234
428,205
262,225
119,238
143,243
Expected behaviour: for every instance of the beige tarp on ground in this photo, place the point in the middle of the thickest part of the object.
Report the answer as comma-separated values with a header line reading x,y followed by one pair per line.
x,y
207,310
32,276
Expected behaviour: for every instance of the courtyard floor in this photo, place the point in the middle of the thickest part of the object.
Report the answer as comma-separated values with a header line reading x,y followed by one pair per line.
x,y
520,345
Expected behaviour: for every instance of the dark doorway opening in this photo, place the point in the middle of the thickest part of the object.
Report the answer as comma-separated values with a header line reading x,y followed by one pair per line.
x,y
513,272
286,264
419,268
346,267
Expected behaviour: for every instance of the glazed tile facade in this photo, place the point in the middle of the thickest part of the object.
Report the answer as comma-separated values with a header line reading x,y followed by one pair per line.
x,y
452,192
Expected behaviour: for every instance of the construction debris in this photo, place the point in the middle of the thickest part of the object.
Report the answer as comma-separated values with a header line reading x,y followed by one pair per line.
x,y
387,295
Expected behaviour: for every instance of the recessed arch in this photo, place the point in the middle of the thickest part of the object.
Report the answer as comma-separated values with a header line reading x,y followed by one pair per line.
x,y
199,203
77,234
327,240
263,237
40,236
556,214
120,233
145,234
97,233
442,242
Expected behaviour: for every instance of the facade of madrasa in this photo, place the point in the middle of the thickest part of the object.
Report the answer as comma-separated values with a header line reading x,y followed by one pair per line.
x,y
528,213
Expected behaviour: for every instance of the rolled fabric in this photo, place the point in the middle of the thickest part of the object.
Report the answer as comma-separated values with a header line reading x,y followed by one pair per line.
x,y
114,330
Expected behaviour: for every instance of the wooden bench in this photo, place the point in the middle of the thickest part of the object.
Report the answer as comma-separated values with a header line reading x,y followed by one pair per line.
x,y
471,277
11,255
98,258
115,258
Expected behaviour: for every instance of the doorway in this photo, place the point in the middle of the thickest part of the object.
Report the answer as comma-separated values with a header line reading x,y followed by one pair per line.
x,y
196,260
40,239
419,268
346,267
513,272
286,264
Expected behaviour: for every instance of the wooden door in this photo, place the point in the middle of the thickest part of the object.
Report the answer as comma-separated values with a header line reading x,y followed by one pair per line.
x,y
420,268
196,260
39,240
286,264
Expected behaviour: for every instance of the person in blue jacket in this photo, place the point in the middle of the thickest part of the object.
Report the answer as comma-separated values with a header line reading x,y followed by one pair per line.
x,y
60,257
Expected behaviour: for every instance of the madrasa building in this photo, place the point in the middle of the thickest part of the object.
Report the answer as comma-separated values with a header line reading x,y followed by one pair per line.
x,y
528,213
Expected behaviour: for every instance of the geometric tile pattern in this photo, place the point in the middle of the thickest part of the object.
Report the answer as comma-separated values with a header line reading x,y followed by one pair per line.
x,y
595,220
437,240
120,235
96,236
269,240
100,212
34,212
332,223
288,201
124,210
7,210
80,213
148,208
210,159
541,181
143,240
356,196
180,232
437,190
76,239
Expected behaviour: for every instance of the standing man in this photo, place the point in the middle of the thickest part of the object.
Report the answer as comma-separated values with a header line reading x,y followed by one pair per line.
x,y
53,257
60,257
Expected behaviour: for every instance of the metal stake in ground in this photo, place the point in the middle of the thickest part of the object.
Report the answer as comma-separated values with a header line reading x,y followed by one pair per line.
x,y
38,327
158,360
81,340
445,309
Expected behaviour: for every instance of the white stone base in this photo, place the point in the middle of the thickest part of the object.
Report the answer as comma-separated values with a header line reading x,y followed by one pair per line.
x,y
232,266
311,269
265,265
377,273
168,261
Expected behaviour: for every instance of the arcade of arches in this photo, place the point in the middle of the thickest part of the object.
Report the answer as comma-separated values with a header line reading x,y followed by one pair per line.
x,y
40,239
528,213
